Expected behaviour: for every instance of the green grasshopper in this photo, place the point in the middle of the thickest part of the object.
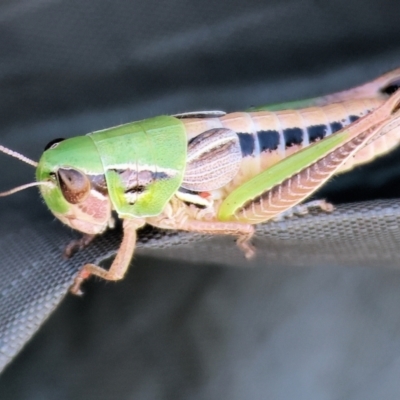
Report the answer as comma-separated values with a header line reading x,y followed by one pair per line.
x,y
211,172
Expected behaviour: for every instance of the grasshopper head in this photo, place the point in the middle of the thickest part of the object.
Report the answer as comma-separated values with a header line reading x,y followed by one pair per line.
x,y
73,185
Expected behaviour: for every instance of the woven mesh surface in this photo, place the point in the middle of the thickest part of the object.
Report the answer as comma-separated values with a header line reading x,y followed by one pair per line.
x,y
361,234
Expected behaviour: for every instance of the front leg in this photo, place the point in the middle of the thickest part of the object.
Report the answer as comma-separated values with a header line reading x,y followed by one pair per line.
x,y
120,263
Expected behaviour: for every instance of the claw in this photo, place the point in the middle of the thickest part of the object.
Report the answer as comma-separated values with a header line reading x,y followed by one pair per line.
x,y
79,279
244,244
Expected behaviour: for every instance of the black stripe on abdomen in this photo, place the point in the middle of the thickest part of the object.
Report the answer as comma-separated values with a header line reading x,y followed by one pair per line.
x,y
293,136
268,140
336,126
316,132
353,118
246,141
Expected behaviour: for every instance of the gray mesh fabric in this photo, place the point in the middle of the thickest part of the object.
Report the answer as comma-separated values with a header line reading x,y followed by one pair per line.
x,y
361,234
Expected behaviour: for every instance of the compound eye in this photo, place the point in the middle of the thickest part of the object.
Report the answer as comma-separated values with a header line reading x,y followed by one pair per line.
x,y
74,185
53,144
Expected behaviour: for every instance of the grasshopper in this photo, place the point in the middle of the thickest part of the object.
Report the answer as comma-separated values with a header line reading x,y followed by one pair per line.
x,y
211,172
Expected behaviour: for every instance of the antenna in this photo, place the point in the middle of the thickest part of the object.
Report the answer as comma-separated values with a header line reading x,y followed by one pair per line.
x,y
26,160
14,154
22,187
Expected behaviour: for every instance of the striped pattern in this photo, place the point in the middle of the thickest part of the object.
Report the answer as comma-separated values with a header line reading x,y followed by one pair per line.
x,y
267,137
213,159
294,189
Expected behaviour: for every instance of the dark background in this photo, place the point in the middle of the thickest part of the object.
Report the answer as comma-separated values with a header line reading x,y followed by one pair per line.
x,y
170,331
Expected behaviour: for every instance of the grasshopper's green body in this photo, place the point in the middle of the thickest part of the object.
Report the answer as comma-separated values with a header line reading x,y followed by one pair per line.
x,y
213,172
114,158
